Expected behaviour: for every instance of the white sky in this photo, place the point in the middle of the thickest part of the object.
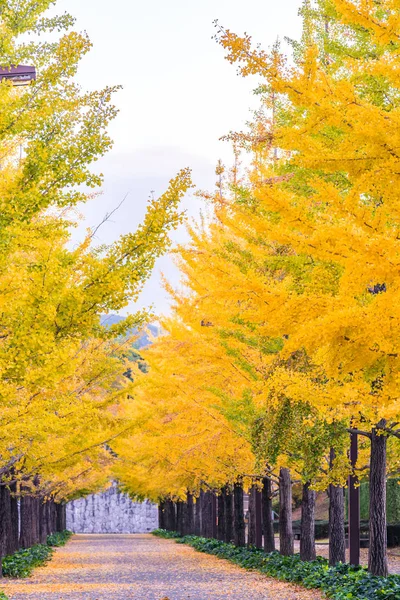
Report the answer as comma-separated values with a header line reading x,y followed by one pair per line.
x,y
179,96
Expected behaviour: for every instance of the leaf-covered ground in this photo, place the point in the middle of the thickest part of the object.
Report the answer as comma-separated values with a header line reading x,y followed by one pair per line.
x,y
142,567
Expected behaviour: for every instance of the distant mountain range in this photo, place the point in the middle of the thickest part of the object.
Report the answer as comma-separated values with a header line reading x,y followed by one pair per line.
x,y
144,338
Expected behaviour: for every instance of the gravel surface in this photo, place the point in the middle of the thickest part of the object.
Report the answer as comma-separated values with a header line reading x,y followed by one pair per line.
x,y
142,567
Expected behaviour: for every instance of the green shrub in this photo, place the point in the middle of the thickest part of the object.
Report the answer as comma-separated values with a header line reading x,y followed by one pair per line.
x,y
59,539
22,563
342,582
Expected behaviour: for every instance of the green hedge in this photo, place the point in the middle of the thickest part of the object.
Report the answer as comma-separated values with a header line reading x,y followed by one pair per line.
x,y
340,583
22,563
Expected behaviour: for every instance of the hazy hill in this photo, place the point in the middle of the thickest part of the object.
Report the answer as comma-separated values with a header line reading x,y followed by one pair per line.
x,y
143,340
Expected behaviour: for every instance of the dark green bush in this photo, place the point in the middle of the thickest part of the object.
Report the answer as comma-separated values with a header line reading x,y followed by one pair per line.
x,y
342,582
22,563
59,539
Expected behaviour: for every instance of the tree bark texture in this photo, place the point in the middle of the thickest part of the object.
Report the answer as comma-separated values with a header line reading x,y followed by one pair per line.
x,y
26,533
5,521
377,558
228,498
189,514
42,522
285,513
268,526
170,517
239,530
207,529
221,515
197,516
14,518
307,531
251,531
179,517
337,539
161,514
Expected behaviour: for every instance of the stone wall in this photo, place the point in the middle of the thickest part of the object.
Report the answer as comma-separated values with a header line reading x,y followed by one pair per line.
x,y
111,512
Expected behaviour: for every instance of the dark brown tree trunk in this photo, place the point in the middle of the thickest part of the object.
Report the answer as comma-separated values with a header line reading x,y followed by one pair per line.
x,y
64,513
42,522
207,529
5,521
48,518
307,532
189,514
214,514
197,517
60,507
221,515
35,520
179,517
377,558
53,512
161,515
286,538
170,516
26,533
228,515
337,538
14,518
268,525
251,532
239,529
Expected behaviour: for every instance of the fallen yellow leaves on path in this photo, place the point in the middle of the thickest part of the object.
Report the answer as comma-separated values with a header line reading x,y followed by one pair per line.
x,y
141,567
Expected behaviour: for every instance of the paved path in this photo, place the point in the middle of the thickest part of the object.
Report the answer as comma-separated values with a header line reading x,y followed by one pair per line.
x,y
142,567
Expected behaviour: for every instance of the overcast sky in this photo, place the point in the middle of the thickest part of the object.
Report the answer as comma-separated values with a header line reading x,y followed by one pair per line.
x,y
179,97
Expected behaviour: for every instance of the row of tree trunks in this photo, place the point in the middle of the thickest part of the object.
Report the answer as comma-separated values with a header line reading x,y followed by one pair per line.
x,y
231,527
210,516
26,520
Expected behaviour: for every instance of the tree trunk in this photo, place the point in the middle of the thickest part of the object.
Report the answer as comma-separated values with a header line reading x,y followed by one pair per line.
x,y
5,521
214,514
35,520
268,525
42,522
286,538
251,531
161,514
197,517
189,514
307,532
207,529
170,516
64,516
14,518
179,517
221,515
337,538
377,558
60,507
26,533
228,515
239,530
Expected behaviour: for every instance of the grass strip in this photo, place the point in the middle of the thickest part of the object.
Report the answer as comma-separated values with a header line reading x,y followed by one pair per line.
x,y
342,582
21,563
